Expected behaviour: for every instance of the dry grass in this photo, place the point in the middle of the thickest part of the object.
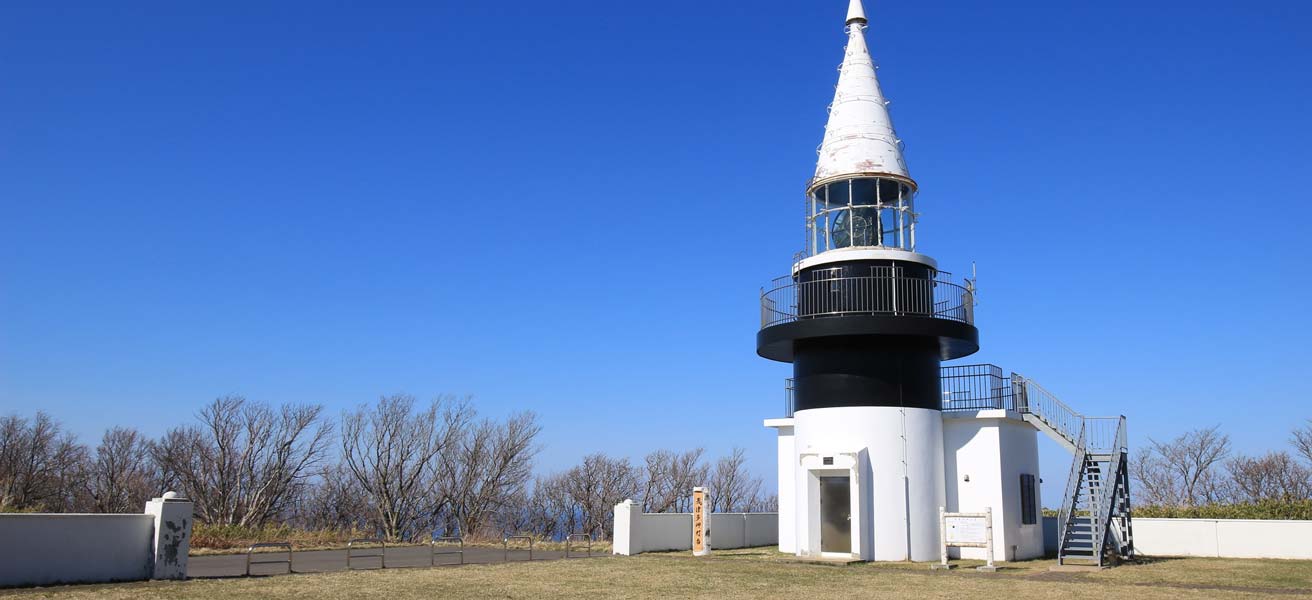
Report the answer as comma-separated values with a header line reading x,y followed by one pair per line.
x,y
741,574
211,540
231,539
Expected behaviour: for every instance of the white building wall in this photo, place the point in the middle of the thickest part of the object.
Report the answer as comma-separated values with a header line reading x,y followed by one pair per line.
x,y
984,455
787,457
895,458
1020,456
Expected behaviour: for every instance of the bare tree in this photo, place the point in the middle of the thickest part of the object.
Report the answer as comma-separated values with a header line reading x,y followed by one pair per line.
x,y
389,449
670,478
1303,441
41,467
245,462
334,501
732,488
1154,484
485,473
1275,476
596,486
122,477
1185,470
550,511
765,504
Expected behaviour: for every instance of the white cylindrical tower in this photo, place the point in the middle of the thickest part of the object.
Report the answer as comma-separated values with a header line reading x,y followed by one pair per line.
x,y
865,320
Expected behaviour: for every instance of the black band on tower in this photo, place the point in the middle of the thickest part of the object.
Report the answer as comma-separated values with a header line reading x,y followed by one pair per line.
x,y
866,371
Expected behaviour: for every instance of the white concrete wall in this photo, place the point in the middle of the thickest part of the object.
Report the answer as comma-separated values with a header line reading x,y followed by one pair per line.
x,y
744,530
993,448
637,532
1216,538
1224,538
44,549
787,482
171,544
664,531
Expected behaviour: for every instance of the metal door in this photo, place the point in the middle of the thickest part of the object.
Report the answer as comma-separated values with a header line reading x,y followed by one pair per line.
x,y
835,514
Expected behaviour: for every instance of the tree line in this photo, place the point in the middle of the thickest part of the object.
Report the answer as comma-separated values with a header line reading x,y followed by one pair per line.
x,y
397,467
1199,468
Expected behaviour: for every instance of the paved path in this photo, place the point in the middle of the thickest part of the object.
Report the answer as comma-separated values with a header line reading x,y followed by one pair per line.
x,y
319,561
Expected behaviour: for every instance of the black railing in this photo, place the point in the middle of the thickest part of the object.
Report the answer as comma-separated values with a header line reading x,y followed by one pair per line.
x,y
976,387
965,388
986,387
889,293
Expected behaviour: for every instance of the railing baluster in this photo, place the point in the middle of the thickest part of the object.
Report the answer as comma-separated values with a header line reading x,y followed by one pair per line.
x,y
886,292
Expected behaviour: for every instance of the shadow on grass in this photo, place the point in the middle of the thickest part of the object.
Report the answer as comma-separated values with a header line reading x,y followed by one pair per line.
x,y
1150,560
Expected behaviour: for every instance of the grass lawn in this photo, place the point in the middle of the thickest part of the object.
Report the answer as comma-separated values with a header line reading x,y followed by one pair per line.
x,y
753,573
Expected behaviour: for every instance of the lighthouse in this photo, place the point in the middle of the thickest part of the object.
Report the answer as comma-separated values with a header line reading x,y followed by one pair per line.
x,y
879,438
865,319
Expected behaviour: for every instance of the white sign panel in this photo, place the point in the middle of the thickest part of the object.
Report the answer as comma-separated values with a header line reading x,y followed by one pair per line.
x,y
966,530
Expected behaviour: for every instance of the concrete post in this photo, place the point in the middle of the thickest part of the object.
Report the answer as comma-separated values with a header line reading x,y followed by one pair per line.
x,y
625,541
172,540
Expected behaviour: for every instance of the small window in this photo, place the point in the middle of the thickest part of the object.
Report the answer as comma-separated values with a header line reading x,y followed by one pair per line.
x,y
829,460
1028,500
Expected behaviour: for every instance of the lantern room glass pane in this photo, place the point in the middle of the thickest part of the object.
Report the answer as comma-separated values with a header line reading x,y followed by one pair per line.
x,y
869,212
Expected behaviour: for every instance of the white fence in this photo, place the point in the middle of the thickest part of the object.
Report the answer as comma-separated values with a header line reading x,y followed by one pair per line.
x,y
45,549
637,532
1216,538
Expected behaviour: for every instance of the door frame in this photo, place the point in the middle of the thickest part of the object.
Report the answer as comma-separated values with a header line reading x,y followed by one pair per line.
x,y
842,464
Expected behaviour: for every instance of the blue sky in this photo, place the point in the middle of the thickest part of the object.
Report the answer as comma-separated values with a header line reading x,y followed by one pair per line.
x,y
569,207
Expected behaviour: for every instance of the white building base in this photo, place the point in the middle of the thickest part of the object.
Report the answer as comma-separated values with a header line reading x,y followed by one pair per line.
x,y
891,461
901,465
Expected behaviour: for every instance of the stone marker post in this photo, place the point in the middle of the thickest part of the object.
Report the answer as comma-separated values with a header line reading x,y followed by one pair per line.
x,y
172,541
701,523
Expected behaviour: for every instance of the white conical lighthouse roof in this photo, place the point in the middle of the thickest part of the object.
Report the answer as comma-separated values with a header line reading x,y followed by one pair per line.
x,y
859,139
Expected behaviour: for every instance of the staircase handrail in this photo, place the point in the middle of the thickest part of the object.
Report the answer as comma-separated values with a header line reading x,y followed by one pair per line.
x,y
1104,506
1046,406
1072,489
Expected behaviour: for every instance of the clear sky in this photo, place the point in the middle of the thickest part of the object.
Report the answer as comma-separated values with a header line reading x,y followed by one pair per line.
x,y
570,206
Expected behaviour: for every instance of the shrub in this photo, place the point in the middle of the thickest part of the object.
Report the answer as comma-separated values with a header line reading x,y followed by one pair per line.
x,y
225,537
1300,510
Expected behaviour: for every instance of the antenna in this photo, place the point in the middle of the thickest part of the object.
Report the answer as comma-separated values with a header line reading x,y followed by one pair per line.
x,y
970,283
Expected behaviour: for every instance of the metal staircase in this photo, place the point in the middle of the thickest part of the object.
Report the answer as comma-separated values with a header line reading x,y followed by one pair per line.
x,y
1094,526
